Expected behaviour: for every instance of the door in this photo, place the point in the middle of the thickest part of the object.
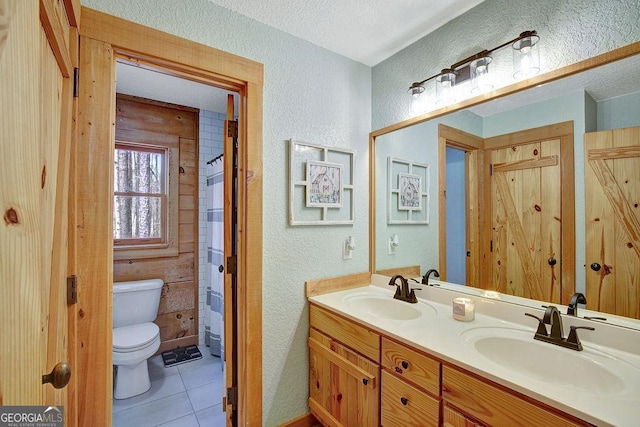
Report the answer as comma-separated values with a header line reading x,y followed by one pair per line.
x,y
37,47
612,180
526,220
230,403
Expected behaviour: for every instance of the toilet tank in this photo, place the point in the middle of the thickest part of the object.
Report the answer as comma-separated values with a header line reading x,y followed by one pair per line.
x,y
136,302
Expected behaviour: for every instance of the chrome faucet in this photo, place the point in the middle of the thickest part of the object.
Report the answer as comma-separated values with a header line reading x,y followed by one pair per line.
x,y
425,278
553,318
403,293
577,298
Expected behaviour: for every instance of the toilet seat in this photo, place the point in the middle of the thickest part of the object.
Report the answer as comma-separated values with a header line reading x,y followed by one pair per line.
x,y
127,339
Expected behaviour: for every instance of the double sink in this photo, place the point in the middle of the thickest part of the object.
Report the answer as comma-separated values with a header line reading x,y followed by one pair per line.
x,y
510,346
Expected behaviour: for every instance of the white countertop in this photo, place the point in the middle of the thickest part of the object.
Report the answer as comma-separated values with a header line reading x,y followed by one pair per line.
x,y
438,334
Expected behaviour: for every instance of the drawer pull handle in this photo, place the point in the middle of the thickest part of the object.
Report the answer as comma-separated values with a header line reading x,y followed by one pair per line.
x,y
405,364
404,401
365,381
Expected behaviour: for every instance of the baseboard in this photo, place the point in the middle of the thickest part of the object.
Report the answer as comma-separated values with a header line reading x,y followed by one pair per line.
x,y
306,420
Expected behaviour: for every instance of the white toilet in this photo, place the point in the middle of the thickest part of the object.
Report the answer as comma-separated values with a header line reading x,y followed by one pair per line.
x,y
135,337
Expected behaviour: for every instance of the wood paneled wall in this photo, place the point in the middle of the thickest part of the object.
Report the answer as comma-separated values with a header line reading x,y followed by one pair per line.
x,y
138,118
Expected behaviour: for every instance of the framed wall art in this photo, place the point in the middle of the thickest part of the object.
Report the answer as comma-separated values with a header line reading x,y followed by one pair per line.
x,y
408,192
325,188
321,190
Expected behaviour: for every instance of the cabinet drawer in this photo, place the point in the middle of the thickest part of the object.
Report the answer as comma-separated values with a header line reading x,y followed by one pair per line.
x,y
412,365
452,418
347,332
403,404
495,406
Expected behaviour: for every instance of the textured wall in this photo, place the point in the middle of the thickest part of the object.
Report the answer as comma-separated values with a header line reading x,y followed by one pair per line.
x,y
312,95
570,31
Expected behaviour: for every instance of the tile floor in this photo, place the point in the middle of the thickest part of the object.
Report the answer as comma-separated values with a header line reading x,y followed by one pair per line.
x,y
186,395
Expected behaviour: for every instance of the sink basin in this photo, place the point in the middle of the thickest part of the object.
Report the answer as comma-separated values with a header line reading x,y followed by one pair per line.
x,y
587,370
386,307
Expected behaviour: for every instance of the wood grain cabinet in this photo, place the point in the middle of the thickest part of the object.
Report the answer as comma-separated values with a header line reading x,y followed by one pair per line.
x,y
496,406
410,386
358,377
451,417
344,386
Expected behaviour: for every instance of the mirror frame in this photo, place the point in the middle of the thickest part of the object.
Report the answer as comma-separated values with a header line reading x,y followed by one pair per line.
x,y
566,71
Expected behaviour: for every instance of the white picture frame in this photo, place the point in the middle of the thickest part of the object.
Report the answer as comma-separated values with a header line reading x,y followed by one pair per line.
x,y
408,192
332,205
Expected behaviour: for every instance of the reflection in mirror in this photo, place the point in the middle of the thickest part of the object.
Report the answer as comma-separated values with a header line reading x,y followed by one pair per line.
x,y
592,101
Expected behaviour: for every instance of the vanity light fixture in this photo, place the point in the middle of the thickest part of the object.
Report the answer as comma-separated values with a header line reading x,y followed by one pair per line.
x,y
526,63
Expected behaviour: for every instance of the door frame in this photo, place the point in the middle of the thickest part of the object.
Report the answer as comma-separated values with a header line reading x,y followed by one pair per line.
x,y
564,132
103,38
473,146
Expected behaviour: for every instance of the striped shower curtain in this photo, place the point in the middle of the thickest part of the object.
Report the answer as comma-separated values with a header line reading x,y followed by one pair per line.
x,y
214,313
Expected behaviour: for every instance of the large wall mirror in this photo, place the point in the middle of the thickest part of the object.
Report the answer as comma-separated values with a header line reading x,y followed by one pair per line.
x,y
532,191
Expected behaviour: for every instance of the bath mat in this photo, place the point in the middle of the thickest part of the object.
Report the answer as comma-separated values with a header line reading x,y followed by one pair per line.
x,y
181,355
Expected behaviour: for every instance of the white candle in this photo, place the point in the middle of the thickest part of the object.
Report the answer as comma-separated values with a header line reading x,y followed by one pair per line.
x,y
463,309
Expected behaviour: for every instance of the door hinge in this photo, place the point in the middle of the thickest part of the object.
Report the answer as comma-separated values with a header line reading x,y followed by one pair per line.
x,y
232,397
232,265
490,169
490,245
76,82
232,129
72,289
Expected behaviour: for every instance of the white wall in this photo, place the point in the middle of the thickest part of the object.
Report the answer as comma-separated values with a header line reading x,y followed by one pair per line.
x,y
312,95
570,31
620,112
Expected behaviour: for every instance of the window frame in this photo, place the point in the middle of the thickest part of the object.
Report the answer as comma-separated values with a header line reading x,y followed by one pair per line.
x,y
167,244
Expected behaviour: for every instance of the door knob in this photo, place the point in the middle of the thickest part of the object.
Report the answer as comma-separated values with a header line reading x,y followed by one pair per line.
x,y
552,261
59,375
221,268
595,266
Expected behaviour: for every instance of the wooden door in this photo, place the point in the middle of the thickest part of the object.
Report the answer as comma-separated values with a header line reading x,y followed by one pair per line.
x,y
612,182
344,386
526,220
37,50
230,401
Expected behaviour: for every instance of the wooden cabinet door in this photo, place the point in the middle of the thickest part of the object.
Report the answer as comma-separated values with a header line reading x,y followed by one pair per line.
x,y
612,181
37,47
343,386
526,220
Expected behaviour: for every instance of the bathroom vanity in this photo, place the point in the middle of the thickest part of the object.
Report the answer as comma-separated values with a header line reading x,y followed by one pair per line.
x,y
375,360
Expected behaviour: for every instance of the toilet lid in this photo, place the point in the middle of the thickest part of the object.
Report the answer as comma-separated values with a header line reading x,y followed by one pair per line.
x,y
130,338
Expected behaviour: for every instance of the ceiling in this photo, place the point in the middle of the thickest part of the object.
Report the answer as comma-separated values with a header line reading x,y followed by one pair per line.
x,y
367,31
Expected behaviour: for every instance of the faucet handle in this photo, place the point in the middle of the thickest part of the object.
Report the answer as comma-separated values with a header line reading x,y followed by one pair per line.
x,y
542,330
412,295
573,336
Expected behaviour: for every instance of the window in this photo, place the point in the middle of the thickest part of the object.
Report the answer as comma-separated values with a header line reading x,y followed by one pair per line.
x,y
142,200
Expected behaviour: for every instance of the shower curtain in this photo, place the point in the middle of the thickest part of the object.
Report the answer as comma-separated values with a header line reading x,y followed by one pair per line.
x,y
214,313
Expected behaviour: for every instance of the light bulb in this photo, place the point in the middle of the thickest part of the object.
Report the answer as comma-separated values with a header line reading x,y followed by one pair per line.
x,y
481,79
